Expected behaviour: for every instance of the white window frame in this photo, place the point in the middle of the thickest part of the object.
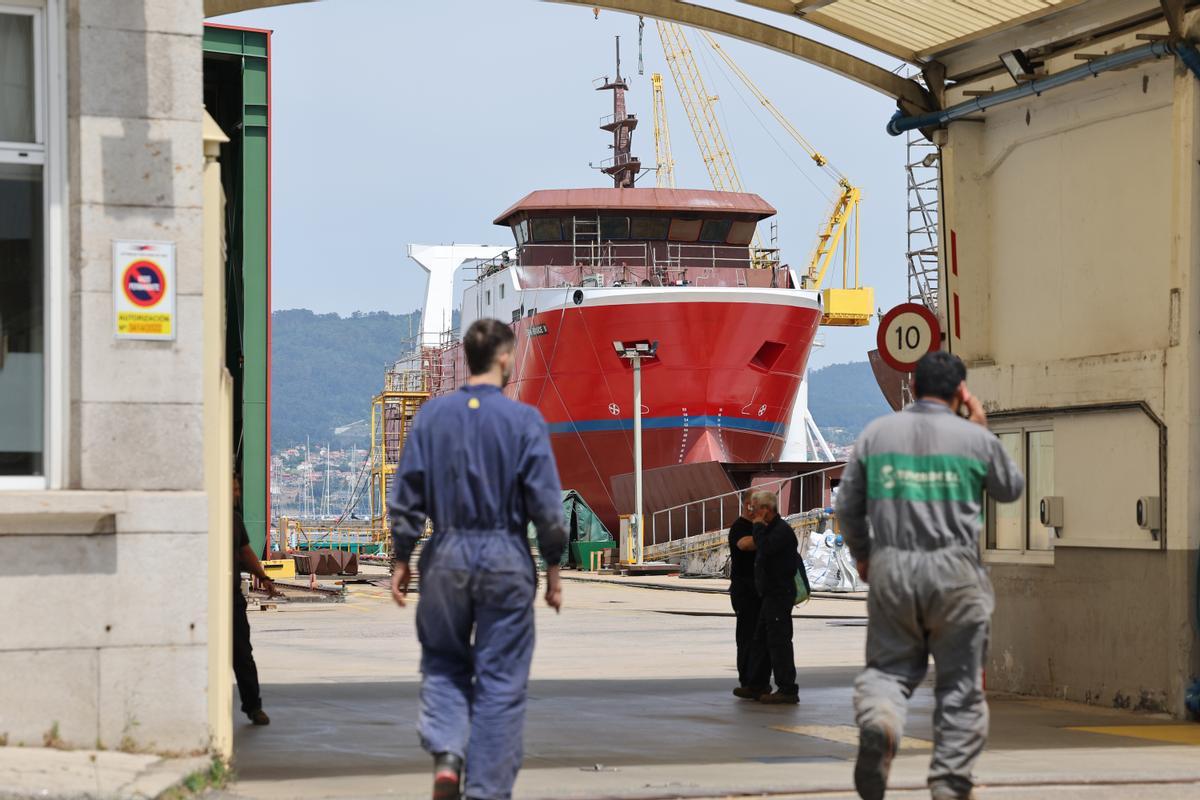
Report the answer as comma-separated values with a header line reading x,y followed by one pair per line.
x,y
49,151
1026,556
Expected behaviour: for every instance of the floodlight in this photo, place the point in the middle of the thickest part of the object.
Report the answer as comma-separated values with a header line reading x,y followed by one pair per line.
x,y
1018,65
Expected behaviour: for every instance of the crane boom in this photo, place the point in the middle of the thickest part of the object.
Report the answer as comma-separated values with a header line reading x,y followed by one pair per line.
x,y
700,108
812,152
665,176
851,305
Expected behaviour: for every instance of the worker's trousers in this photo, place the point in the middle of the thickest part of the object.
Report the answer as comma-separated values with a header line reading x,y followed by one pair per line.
x,y
475,624
746,607
927,603
244,669
772,649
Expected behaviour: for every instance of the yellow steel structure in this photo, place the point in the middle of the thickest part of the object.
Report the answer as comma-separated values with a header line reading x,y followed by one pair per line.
x,y
392,412
700,107
665,174
701,111
852,305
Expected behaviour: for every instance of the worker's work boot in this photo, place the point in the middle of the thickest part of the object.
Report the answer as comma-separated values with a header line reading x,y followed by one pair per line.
x,y
876,749
779,699
944,791
447,776
259,717
749,692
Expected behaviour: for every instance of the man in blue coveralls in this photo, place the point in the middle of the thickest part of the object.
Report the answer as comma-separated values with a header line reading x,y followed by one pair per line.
x,y
479,465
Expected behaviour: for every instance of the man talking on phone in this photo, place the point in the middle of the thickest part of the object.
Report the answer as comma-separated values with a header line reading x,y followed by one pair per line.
x,y
918,477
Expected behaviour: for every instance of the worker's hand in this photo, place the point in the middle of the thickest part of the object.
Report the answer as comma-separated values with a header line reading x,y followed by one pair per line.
x,y
975,410
554,588
269,585
401,575
864,567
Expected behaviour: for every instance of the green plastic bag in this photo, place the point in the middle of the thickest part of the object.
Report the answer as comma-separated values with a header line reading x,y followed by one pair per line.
x,y
803,589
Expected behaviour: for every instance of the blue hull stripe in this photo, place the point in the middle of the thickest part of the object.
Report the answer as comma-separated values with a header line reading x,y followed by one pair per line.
x,y
653,423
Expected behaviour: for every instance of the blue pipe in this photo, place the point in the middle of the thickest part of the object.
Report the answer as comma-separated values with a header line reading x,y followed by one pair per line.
x,y
1187,52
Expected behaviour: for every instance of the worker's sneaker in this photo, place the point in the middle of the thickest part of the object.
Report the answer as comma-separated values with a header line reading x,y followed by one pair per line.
x,y
748,692
876,749
779,699
447,775
259,717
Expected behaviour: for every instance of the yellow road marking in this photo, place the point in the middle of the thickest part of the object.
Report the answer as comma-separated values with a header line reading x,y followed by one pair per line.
x,y
845,734
1172,734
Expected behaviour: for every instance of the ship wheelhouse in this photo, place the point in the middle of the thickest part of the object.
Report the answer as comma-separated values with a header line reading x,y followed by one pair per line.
x,y
639,237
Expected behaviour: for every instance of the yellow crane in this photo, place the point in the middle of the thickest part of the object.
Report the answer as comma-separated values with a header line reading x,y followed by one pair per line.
x,y
665,175
701,111
700,108
853,303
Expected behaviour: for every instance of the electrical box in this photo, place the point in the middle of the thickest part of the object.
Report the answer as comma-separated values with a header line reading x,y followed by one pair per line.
x,y
1149,513
1050,512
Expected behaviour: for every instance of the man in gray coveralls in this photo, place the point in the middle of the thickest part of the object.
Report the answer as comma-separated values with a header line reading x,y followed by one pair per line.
x,y
919,477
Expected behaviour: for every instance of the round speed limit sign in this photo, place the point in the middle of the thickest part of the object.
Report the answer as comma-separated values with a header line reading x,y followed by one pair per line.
x,y
907,332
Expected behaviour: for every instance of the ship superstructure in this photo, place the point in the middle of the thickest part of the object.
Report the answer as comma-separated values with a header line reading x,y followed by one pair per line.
x,y
594,266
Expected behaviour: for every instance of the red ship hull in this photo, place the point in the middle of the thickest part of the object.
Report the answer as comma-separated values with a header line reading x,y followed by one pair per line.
x,y
722,386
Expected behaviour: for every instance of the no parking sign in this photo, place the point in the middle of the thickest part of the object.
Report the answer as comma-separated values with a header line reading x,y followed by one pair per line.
x,y
144,290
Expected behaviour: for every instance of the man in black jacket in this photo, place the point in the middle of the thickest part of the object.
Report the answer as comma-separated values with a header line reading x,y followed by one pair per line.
x,y
775,564
744,596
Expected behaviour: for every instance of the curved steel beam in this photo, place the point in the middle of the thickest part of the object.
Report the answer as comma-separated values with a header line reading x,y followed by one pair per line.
x,y
909,95
215,8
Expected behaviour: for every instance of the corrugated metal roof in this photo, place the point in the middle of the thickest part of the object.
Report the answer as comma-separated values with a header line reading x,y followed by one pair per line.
x,y
916,30
641,200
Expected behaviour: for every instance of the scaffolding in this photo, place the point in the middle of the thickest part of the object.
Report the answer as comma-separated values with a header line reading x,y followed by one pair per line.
x,y
923,215
406,387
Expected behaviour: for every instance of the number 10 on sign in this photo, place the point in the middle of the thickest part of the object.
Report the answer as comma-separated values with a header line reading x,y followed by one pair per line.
x,y
906,333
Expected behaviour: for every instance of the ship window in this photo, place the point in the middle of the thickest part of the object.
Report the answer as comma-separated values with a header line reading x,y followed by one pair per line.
x,y
649,228
614,228
742,232
715,230
502,291
521,232
487,297
685,230
546,229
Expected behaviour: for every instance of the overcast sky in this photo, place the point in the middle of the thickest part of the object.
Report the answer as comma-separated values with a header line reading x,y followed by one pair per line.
x,y
397,122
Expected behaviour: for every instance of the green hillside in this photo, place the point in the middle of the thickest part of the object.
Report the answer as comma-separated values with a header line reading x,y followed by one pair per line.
x,y
843,398
326,368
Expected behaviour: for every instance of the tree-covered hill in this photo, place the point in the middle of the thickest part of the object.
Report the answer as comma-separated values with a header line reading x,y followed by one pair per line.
x,y
325,369
843,398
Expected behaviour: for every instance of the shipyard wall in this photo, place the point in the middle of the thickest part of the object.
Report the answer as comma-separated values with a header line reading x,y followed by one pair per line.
x,y
105,570
1071,238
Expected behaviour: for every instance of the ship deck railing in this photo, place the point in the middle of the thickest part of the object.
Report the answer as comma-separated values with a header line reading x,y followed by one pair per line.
x,y
655,255
626,276
695,524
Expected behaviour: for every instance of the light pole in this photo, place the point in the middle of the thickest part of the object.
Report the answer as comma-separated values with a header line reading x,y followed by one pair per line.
x,y
635,352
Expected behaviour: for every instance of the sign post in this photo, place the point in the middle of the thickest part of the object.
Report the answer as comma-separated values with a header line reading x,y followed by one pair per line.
x,y
144,290
907,332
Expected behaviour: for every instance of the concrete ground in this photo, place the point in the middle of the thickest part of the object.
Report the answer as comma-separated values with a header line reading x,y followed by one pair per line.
x,y
44,772
630,699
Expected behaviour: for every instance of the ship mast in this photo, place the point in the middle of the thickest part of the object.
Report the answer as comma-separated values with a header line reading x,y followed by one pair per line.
x,y
625,166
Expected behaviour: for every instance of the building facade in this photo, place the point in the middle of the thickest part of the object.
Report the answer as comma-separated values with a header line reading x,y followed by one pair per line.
x,y
110,573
